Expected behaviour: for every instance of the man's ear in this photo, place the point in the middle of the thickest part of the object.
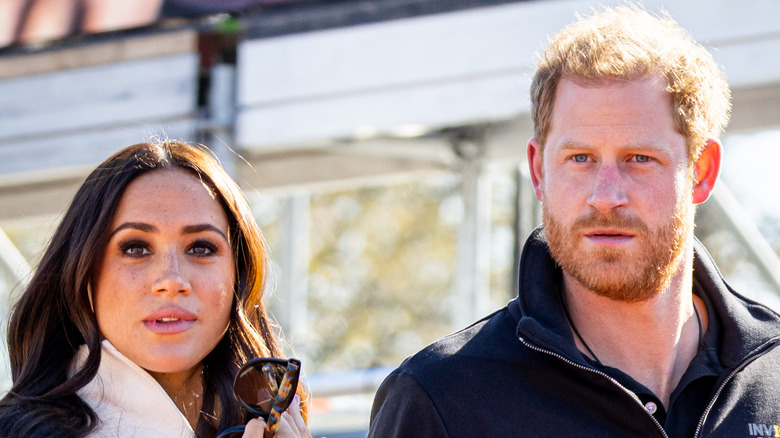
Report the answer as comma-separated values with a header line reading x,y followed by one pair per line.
x,y
535,166
706,171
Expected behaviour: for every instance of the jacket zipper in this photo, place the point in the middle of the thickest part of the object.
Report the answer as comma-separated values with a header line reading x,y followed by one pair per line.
x,y
602,374
715,397
723,384
634,397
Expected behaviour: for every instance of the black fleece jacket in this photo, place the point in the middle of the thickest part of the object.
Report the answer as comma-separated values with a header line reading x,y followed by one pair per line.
x,y
518,373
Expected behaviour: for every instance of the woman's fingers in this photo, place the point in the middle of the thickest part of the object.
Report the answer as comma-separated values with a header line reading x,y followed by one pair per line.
x,y
294,414
255,428
291,424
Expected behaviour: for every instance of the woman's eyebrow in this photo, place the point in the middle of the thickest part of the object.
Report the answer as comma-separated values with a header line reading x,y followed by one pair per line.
x,y
149,228
197,228
141,226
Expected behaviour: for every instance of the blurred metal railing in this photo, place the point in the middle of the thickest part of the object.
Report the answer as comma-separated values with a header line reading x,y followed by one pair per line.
x,y
749,235
347,382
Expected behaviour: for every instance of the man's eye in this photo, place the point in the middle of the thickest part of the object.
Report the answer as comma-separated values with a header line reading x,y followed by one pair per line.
x,y
641,158
580,158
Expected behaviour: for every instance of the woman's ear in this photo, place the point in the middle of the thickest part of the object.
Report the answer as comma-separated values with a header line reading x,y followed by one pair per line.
x,y
706,171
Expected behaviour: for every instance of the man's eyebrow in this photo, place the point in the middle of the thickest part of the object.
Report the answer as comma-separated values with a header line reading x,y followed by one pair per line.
x,y
648,145
141,226
569,144
197,228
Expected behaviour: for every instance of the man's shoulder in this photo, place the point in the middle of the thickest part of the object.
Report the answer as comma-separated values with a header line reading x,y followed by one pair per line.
x,y
486,339
432,391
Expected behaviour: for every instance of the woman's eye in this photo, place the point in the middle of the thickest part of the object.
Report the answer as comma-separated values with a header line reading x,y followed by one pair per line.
x,y
202,249
135,249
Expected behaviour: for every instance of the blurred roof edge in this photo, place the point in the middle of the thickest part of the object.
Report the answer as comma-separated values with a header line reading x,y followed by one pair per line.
x,y
319,15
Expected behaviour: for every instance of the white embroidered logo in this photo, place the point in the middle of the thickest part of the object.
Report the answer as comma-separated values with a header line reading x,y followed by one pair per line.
x,y
757,429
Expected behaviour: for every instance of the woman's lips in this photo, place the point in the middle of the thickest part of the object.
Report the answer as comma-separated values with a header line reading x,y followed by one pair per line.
x,y
169,320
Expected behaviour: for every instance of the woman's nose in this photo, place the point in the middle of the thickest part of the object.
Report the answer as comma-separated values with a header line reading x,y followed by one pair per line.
x,y
171,279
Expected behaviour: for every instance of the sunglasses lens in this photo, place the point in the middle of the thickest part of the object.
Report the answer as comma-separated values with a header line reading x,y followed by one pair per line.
x,y
256,385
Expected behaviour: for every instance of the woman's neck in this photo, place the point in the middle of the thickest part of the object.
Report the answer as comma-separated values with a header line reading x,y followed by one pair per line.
x,y
186,391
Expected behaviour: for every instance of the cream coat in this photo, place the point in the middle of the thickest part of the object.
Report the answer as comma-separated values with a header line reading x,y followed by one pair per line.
x,y
129,402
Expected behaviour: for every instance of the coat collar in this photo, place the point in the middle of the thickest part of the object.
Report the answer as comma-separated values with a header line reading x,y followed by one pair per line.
x,y
128,401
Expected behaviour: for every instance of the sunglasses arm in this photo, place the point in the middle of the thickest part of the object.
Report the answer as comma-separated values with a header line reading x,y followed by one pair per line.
x,y
283,396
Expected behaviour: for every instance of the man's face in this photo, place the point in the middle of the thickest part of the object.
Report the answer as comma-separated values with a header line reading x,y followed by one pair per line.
x,y
616,185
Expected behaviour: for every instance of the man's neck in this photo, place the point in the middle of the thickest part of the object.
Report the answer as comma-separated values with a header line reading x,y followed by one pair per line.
x,y
653,341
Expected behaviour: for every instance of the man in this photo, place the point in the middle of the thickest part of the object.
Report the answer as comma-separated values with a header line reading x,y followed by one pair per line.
x,y
623,326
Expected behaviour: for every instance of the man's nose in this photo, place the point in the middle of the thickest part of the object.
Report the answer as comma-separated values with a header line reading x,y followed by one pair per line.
x,y
608,191
170,279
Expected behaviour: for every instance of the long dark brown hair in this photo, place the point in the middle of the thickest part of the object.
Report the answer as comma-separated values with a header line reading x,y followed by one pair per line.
x,y
53,318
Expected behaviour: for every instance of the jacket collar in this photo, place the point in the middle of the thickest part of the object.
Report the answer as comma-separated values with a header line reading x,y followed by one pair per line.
x,y
746,326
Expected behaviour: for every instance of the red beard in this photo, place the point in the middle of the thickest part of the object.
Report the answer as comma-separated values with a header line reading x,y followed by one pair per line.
x,y
621,274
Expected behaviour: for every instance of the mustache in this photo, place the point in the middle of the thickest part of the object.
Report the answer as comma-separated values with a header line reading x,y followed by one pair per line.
x,y
597,219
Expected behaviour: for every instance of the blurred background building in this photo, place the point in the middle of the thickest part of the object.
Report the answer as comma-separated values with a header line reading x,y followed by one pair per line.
x,y
381,144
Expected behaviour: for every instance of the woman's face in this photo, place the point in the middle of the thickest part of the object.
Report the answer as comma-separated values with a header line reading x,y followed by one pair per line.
x,y
164,287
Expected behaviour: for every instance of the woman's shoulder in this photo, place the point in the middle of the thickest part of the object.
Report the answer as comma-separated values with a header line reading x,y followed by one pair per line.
x,y
129,402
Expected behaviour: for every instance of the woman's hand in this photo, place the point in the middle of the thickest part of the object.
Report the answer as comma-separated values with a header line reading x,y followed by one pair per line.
x,y
291,424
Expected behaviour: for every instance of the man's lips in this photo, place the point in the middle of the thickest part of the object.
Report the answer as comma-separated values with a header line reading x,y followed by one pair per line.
x,y
609,233
169,320
609,237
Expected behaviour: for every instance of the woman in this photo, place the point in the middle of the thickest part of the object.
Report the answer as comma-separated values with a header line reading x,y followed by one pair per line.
x,y
144,305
